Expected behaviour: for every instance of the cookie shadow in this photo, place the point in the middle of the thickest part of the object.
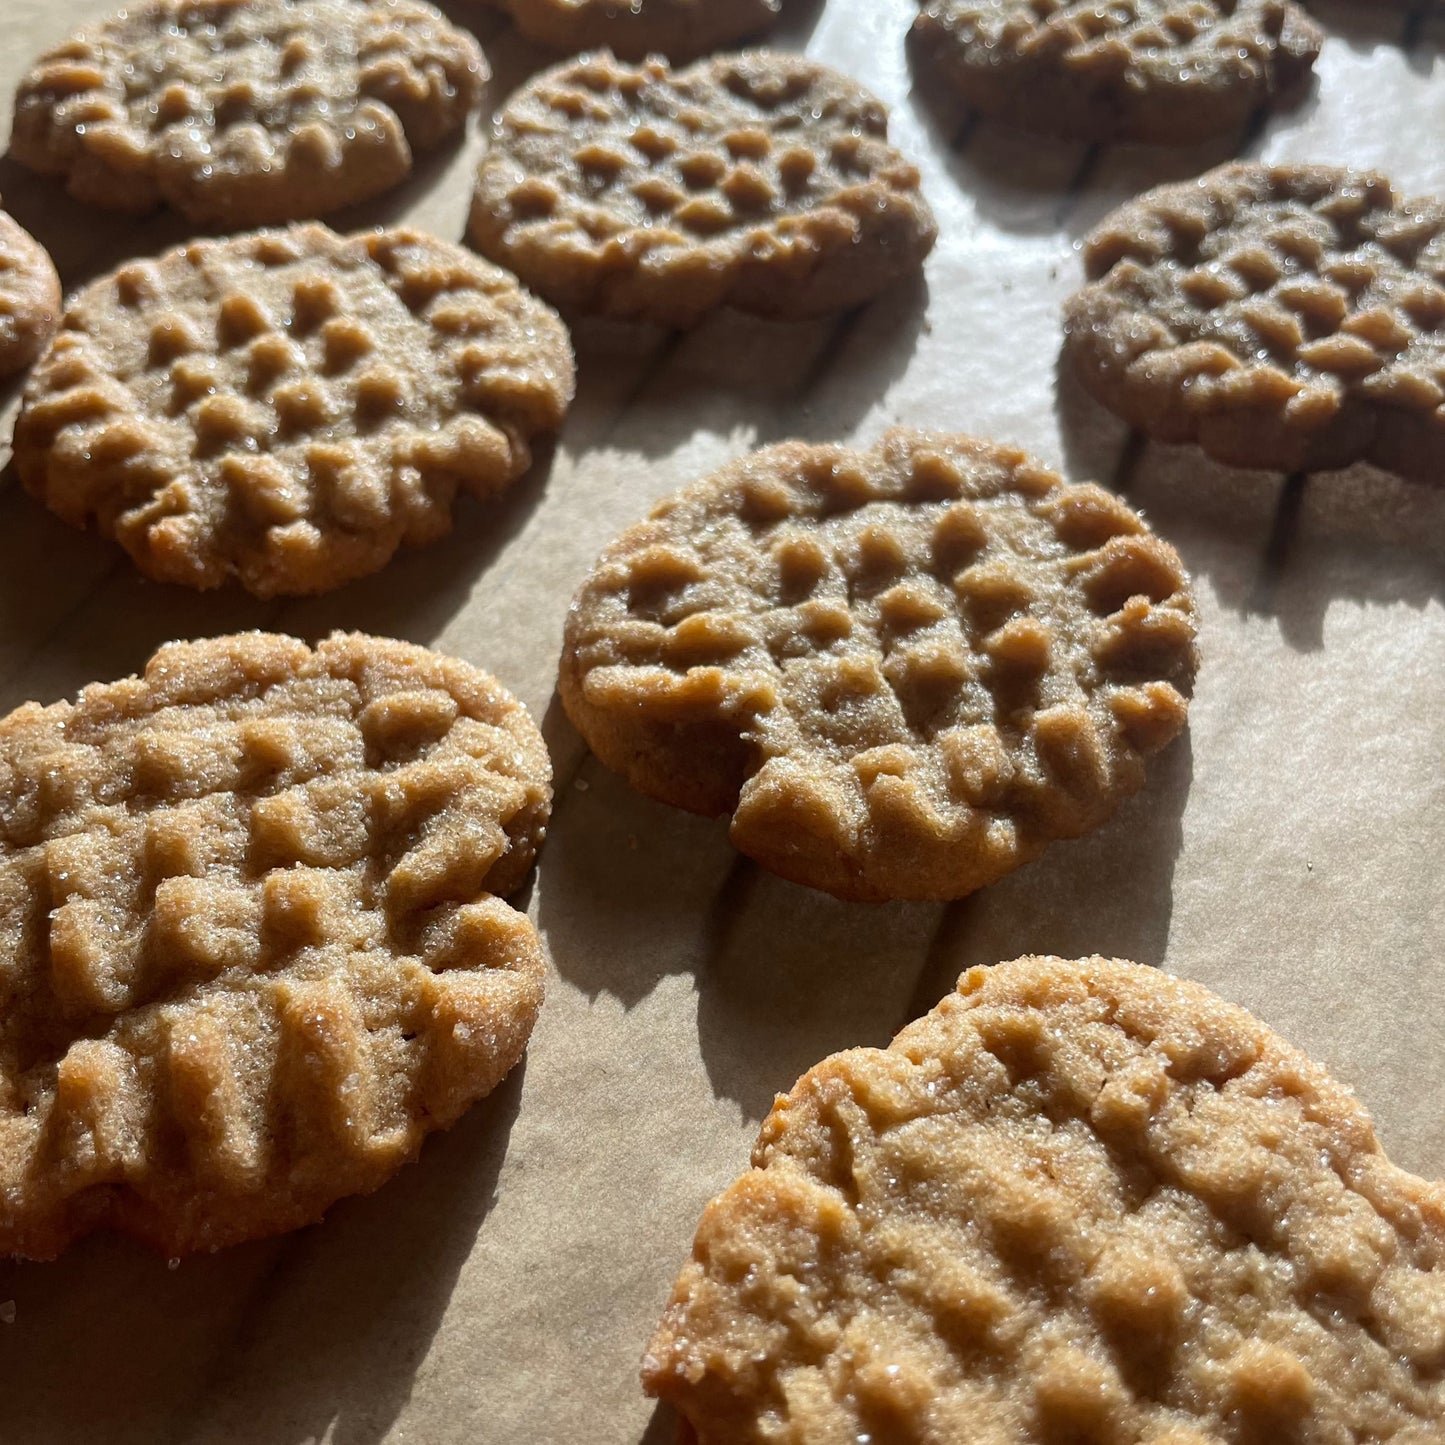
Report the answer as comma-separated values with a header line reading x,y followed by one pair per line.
x,y
422,589
752,378
317,1335
1109,893
1273,546
78,610
1031,184
632,891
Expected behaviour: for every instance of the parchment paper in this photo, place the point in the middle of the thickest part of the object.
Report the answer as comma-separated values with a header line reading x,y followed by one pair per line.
x,y
1286,852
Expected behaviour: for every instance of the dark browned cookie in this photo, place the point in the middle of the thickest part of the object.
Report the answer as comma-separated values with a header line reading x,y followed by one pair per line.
x,y
903,671
289,408
634,29
762,180
253,947
1162,71
1287,317
1078,1202
30,300
242,112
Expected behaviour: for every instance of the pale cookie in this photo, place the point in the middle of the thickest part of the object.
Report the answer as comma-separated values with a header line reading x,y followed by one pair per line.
x,y
1167,72
903,671
633,29
289,408
242,112
761,180
1079,1202
30,299
252,944
1286,317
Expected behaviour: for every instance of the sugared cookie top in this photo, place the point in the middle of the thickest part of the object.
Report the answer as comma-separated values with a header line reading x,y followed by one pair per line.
x,y
1162,71
30,300
252,945
904,671
1281,316
242,112
1076,1202
291,407
760,180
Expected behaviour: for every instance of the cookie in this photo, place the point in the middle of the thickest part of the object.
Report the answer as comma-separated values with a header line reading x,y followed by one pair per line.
x,y
239,113
760,180
1076,1202
252,942
1285,317
903,671
634,29
1166,72
30,299
291,407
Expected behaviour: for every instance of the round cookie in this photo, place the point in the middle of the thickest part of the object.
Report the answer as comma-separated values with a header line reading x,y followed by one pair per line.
x,y
634,29
1167,72
291,407
252,944
1078,1201
903,671
30,300
762,180
239,113
1285,317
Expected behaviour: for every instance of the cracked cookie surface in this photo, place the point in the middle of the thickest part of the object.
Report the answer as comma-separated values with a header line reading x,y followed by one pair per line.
x,y
1162,71
762,180
1285,317
1077,1201
289,408
635,29
239,113
252,942
903,671
30,299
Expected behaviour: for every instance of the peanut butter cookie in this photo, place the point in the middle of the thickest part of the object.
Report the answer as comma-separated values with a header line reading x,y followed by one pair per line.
x,y
1286,317
634,29
291,407
764,181
252,944
903,671
30,300
1078,1201
1163,71
238,113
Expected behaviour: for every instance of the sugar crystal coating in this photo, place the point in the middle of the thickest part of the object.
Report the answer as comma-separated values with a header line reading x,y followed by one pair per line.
x,y
903,671
30,300
1076,1202
1163,71
289,408
242,112
760,180
252,942
1281,316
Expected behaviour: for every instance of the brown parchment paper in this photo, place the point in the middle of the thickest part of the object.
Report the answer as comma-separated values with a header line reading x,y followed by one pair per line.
x,y
1287,852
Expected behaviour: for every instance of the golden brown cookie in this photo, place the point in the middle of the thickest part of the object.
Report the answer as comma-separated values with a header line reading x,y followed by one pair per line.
x,y
634,29
1076,1202
30,300
1286,317
762,180
903,671
291,407
1163,71
242,112
252,943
